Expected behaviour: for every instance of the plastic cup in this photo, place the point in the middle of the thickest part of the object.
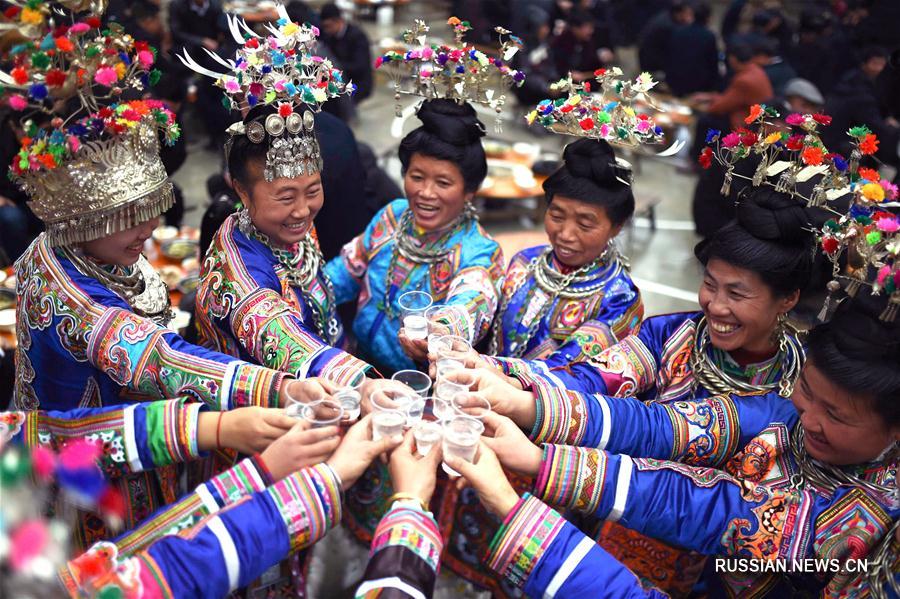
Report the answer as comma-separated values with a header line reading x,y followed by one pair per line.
x,y
471,404
415,380
426,433
412,307
322,413
392,399
442,319
388,424
349,381
414,413
460,439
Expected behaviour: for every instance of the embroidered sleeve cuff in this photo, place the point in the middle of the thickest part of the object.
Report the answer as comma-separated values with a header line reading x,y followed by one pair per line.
x,y
560,415
310,504
527,532
252,385
572,477
244,478
411,529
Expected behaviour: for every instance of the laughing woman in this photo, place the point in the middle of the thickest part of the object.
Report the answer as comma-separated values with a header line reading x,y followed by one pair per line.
x,y
263,295
429,242
578,284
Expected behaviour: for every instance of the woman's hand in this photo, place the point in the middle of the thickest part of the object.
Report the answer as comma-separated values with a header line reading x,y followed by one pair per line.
x,y
357,451
372,386
248,430
412,474
513,449
306,390
486,476
415,349
299,448
505,399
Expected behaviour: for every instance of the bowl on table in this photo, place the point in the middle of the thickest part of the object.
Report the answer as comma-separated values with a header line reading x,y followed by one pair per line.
x,y
8,320
180,248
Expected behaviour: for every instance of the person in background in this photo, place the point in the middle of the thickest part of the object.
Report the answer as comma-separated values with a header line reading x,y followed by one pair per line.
x,y
653,43
18,224
350,45
767,56
855,102
692,57
803,96
537,62
577,50
196,25
749,86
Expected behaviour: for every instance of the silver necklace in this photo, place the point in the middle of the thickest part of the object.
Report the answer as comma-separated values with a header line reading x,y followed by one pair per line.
x,y
139,285
555,284
302,265
715,380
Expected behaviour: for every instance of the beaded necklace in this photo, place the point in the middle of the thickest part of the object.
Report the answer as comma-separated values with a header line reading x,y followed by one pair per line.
x,y
302,264
405,244
555,284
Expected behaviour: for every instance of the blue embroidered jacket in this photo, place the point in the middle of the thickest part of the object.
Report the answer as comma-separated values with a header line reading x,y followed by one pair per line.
x,y
615,308
469,276
712,476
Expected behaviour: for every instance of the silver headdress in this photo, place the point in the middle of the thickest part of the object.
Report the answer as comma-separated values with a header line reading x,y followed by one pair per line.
x,y
98,171
280,71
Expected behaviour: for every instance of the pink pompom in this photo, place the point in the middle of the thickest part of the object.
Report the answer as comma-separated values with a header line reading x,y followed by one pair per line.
x,y
883,274
887,225
17,102
43,461
79,453
106,76
145,57
794,119
27,542
79,28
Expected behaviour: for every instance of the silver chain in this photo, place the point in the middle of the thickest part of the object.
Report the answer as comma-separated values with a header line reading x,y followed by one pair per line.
x,y
302,266
140,285
555,284
710,376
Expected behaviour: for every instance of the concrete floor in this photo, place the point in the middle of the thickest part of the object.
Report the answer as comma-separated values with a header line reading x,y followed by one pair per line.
x,y
663,263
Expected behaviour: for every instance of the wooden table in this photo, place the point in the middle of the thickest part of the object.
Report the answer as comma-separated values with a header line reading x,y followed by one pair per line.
x,y
8,339
505,195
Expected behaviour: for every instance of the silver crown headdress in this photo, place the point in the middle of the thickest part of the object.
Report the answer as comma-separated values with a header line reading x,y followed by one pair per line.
x,y
281,71
97,171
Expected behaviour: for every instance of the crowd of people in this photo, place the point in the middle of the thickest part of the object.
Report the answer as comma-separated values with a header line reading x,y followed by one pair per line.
x,y
480,427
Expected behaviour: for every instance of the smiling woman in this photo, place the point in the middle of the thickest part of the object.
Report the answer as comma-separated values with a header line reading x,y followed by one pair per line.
x,y
429,242
576,289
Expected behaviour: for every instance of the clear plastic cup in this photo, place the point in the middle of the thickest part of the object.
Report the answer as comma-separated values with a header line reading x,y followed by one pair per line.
x,y
426,434
452,350
392,399
460,439
349,381
414,413
412,307
415,380
388,424
443,319
442,409
322,413
474,405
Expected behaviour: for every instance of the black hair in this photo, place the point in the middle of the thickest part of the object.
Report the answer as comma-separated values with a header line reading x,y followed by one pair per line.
x,y
244,152
858,352
741,51
771,236
330,11
450,131
870,52
589,174
578,17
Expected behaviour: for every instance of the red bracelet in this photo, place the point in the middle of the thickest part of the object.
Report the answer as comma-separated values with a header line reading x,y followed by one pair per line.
x,y
219,430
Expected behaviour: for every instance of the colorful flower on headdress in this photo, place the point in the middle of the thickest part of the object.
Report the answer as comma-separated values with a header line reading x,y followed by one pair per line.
x,y
460,72
608,113
279,68
46,148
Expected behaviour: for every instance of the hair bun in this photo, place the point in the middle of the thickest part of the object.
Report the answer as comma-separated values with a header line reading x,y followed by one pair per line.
x,y
774,216
860,332
591,159
450,121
